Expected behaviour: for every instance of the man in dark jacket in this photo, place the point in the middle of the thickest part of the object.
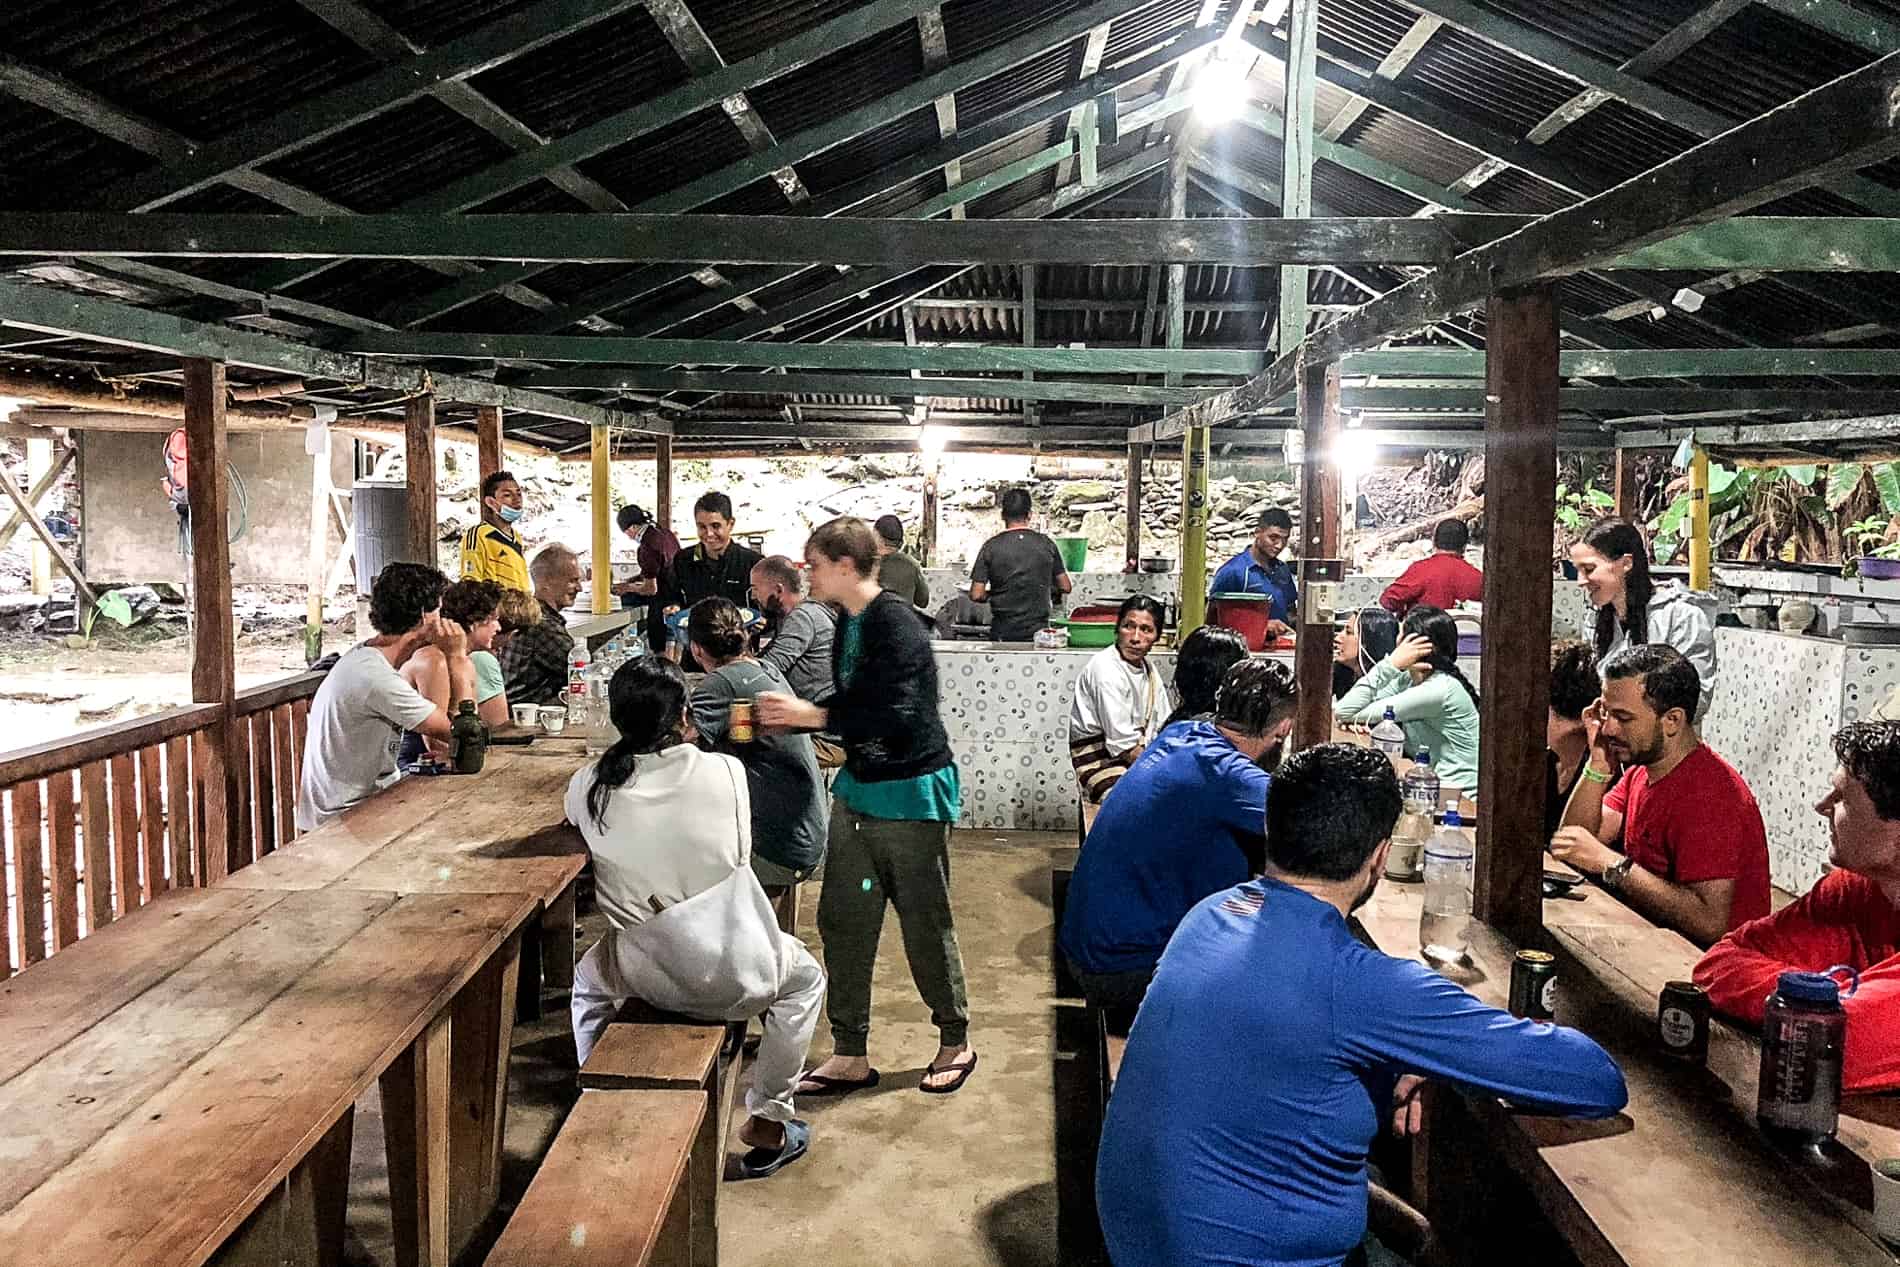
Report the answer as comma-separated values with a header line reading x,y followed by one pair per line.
x,y
716,567
894,804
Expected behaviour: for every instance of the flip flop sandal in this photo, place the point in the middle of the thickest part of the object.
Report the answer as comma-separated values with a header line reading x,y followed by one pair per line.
x,y
763,1163
963,1073
821,1085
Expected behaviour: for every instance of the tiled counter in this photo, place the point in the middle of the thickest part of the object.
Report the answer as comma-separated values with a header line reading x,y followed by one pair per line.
x,y
1778,700
1566,613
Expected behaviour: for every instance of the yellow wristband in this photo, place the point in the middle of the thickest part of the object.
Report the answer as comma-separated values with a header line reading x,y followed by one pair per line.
x,y
1593,774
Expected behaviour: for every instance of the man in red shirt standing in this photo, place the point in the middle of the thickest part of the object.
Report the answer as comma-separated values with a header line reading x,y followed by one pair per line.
x,y
1693,853
1851,917
1441,579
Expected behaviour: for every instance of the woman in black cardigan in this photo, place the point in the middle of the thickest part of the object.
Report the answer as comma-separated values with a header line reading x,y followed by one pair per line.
x,y
894,804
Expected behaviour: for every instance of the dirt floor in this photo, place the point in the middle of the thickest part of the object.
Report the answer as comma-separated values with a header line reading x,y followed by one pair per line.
x,y
49,690
894,1177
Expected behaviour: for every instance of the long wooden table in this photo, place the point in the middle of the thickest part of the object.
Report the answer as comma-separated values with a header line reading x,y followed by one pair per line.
x,y
178,1086
1683,1175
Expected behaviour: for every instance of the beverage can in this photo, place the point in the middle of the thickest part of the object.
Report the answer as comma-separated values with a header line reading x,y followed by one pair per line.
x,y
1534,985
1682,1020
741,728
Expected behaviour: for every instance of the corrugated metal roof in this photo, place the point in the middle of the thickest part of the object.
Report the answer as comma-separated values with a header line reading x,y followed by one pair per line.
x,y
600,70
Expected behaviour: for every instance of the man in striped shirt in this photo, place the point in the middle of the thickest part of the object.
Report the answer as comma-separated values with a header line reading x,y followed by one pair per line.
x,y
490,550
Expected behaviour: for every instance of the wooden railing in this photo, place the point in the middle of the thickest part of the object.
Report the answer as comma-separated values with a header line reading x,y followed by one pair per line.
x,y
99,824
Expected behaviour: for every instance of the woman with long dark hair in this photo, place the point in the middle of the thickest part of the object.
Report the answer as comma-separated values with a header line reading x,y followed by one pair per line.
x,y
1369,637
1120,700
1612,562
670,831
1200,665
1429,696
788,792
893,807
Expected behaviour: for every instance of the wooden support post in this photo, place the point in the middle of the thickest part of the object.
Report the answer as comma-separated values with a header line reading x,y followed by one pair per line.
x,y
39,460
1701,551
1137,456
1520,466
601,511
663,482
316,564
927,538
1624,491
213,674
1296,183
1194,455
487,443
418,431
1319,539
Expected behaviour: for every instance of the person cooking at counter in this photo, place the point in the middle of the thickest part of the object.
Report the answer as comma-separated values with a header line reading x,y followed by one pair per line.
x,y
1017,573
1120,700
1259,570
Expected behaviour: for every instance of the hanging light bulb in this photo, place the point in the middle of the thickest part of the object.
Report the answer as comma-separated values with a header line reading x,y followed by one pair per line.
x,y
1220,90
930,440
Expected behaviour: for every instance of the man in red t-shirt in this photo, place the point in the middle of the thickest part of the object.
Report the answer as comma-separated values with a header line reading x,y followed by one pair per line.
x,y
1851,917
1441,579
1693,853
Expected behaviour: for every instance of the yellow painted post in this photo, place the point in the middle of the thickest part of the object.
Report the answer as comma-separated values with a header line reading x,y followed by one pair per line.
x,y
602,494
1699,551
1194,450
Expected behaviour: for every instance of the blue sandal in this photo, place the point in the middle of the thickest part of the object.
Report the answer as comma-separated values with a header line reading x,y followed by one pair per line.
x,y
763,1163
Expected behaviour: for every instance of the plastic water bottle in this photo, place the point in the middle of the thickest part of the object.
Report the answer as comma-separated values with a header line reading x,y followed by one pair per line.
x,y
1388,736
575,697
1420,786
1444,929
1406,859
600,729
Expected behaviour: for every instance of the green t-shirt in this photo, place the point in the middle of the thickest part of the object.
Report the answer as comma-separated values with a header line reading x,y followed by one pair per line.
x,y
488,679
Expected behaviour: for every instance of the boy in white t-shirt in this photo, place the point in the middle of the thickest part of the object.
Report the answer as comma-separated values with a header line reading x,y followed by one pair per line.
x,y
360,712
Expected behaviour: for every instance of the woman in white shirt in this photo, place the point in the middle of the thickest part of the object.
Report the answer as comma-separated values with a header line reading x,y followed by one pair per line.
x,y
670,831
1120,700
1629,609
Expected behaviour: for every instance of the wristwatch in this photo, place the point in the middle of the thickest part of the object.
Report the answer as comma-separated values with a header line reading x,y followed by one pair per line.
x,y
1614,874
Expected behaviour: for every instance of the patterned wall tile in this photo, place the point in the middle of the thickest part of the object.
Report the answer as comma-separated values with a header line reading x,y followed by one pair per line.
x,y
1872,674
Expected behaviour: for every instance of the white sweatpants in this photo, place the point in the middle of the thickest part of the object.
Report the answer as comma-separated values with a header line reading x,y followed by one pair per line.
x,y
789,1022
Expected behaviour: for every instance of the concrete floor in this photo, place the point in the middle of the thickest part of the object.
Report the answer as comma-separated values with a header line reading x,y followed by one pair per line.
x,y
894,1176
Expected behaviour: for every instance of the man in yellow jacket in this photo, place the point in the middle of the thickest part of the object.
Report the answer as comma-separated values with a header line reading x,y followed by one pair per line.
x,y
490,550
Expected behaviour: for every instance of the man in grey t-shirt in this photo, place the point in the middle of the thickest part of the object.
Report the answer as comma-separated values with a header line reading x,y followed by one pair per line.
x,y
1018,573
804,629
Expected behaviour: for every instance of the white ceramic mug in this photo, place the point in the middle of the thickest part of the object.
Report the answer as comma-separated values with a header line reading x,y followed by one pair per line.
x,y
554,720
526,714
1886,1179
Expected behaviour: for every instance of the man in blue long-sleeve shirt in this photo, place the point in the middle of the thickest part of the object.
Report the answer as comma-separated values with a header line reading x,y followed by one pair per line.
x,y
1270,1043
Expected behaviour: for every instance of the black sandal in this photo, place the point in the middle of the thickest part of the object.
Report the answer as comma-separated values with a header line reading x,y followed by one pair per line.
x,y
822,1085
963,1073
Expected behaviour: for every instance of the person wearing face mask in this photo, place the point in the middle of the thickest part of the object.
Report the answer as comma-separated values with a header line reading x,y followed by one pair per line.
x,y
1184,822
1120,700
802,629
490,550
1630,609
1658,818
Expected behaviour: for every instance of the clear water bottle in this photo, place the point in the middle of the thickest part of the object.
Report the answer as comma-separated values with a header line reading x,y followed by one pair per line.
x,y
575,697
1444,929
1420,785
1803,1037
1405,860
1388,736
600,730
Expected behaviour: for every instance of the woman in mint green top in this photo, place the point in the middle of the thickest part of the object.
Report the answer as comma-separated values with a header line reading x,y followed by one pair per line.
x,y
1428,695
894,804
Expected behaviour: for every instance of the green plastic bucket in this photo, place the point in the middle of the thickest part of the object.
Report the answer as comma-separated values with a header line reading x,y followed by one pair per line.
x,y
1075,552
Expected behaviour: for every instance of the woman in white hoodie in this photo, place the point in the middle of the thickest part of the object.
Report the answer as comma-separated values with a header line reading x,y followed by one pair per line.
x,y
1612,564
670,831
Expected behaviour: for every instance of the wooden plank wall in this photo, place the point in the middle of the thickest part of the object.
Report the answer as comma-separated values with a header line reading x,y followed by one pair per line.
x,y
95,827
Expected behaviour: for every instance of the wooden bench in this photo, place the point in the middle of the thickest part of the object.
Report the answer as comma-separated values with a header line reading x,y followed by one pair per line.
x,y
675,1054
613,1191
